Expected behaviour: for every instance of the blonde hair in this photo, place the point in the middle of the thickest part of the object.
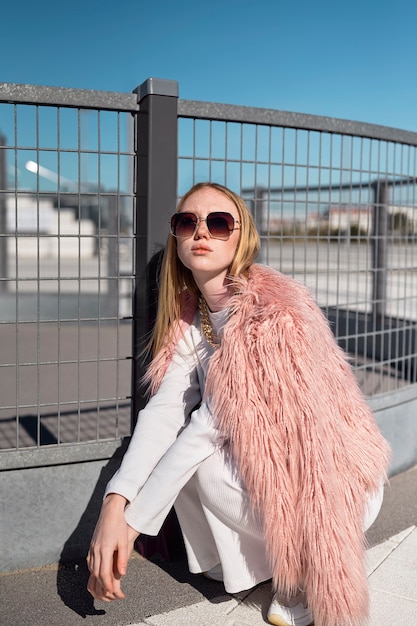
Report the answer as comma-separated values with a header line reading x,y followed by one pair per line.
x,y
176,279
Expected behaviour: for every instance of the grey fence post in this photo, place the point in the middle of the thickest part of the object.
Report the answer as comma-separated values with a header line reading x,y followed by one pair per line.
x,y
3,214
380,247
156,194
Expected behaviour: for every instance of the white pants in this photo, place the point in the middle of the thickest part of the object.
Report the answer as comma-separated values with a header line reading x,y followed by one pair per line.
x,y
219,526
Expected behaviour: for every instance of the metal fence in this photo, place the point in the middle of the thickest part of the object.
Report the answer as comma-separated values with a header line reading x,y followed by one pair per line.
x,y
87,183
66,283
336,206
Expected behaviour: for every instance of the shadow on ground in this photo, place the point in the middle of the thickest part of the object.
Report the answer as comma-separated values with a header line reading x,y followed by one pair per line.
x,y
155,559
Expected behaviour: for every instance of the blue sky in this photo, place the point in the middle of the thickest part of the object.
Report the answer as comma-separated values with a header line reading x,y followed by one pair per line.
x,y
354,60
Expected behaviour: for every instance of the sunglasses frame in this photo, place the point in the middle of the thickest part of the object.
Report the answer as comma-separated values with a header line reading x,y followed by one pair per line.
x,y
197,219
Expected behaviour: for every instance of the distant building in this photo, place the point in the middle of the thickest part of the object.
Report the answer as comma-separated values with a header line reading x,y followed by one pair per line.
x,y
342,217
55,232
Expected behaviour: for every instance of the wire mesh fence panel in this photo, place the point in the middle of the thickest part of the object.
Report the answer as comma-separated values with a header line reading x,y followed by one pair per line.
x,y
66,274
335,211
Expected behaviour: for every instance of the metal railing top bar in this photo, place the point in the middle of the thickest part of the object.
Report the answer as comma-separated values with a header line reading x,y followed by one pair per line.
x,y
390,182
14,93
270,117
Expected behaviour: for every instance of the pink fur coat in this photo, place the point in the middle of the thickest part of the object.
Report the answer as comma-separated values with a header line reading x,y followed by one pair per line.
x,y
302,436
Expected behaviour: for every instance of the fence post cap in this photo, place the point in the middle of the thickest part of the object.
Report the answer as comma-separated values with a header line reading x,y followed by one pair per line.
x,y
157,87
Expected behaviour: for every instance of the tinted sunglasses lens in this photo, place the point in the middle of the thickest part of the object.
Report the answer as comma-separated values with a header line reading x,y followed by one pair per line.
x,y
183,224
220,224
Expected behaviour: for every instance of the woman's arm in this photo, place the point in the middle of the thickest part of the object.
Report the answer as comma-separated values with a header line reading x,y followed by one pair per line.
x,y
148,510
158,426
120,523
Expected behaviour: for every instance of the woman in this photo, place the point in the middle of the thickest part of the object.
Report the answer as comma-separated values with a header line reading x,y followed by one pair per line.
x,y
255,430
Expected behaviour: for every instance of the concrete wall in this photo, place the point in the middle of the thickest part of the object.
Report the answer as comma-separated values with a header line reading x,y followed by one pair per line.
x,y
396,414
48,514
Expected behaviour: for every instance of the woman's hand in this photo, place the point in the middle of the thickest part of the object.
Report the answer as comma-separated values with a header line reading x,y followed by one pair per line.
x,y
110,549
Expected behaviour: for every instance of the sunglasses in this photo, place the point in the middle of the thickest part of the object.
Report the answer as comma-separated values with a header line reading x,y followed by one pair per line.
x,y
220,224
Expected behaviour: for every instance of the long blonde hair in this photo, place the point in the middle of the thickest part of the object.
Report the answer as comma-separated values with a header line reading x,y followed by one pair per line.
x,y
176,279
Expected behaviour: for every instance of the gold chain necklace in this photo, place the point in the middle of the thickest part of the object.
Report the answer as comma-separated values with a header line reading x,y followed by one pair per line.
x,y
206,327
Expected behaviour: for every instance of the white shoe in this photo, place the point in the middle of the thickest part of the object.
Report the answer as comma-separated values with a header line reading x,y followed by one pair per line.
x,y
290,610
215,573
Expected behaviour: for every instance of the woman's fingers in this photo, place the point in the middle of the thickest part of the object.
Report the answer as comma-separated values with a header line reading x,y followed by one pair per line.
x,y
105,580
99,592
102,591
